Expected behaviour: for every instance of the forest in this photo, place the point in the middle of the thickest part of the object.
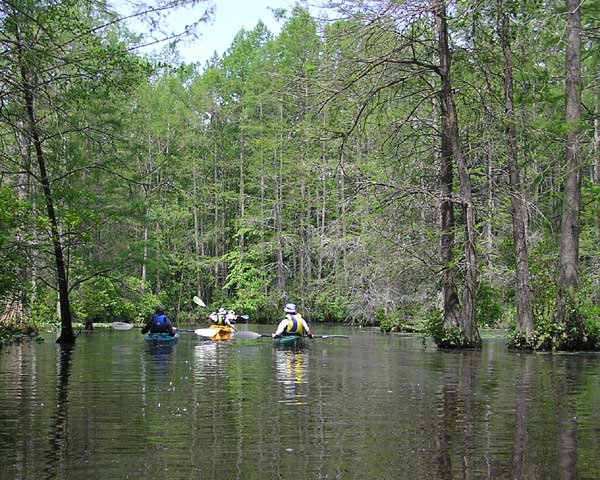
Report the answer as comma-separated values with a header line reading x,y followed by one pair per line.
x,y
404,164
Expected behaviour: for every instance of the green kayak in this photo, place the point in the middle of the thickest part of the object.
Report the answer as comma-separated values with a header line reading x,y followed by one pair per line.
x,y
290,340
161,339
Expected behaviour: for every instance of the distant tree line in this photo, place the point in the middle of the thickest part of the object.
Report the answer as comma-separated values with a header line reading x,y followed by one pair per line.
x,y
407,162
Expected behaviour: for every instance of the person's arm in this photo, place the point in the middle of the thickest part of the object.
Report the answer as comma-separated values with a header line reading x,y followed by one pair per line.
x,y
306,329
172,329
280,329
146,327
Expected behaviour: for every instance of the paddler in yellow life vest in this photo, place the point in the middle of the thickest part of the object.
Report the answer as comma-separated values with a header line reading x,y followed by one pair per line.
x,y
222,318
292,324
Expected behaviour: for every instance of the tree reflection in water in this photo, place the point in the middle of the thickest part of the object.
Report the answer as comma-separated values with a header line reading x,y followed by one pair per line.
x,y
57,450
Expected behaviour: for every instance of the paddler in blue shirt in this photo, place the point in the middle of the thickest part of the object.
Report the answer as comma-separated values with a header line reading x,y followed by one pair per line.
x,y
292,324
159,323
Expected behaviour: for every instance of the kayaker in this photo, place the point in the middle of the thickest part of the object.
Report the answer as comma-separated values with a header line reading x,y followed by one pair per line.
x,y
292,324
221,317
159,323
232,317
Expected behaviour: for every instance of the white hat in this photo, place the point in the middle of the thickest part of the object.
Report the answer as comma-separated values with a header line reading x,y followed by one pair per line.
x,y
222,311
290,308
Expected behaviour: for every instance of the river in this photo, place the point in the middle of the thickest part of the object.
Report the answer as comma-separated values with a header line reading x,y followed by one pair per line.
x,y
372,406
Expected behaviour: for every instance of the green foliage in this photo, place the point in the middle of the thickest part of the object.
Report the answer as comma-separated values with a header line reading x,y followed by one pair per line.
x,y
247,279
10,335
489,307
580,331
406,319
12,261
444,337
98,301
42,310
327,306
543,283
105,300
308,158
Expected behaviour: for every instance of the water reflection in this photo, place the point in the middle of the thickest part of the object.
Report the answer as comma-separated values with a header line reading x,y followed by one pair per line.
x,y
161,356
354,410
567,419
455,429
57,449
290,371
523,387
210,360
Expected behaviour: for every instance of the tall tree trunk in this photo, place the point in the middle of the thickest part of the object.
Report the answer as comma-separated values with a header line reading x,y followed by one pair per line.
x,y
468,321
278,213
145,252
18,304
216,236
596,168
568,269
66,334
321,223
489,228
197,252
450,302
524,322
242,188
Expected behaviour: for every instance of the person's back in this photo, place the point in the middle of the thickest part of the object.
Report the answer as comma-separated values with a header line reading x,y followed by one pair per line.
x,y
159,323
221,318
292,324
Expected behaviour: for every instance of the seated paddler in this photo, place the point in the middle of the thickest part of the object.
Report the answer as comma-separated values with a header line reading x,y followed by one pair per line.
x,y
292,324
221,318
159,323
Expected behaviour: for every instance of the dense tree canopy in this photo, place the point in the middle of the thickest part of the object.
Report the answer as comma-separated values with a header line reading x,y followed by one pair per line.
x,y
405,161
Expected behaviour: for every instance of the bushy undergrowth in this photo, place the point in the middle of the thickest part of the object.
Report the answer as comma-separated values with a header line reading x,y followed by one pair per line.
x,y
580,331
11,335
405,320
444,337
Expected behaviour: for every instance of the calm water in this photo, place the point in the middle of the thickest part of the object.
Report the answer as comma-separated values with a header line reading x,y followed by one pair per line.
x,y
369,407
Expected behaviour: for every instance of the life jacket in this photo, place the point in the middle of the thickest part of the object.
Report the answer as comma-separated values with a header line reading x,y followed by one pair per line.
x,y
294,326
221,319
159,323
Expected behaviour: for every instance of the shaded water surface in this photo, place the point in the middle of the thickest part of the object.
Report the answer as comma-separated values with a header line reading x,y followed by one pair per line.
x,y
367,407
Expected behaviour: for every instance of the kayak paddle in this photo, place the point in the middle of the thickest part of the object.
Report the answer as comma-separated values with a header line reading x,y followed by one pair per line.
x,y
331,336
199,302
129,326
249,335
206,332
252,335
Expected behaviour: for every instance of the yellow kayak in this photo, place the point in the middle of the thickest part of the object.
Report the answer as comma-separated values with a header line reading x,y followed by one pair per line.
x,y
224,332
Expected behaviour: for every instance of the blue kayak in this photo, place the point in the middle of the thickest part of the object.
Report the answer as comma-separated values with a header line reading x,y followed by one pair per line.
x,y
161,338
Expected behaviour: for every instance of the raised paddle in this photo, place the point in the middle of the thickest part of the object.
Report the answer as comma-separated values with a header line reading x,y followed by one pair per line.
x,y
199,302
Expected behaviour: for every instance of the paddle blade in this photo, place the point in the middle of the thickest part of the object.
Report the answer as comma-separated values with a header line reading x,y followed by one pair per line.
x,y
197,301
206,332
331,336
122,326
249,335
